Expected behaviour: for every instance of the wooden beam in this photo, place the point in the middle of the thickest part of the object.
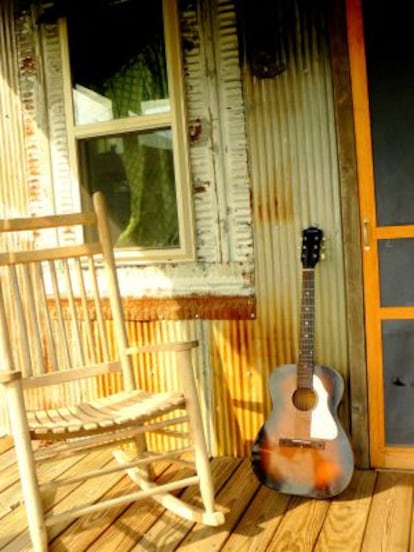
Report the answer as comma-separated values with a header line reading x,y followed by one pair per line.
x,y
351,231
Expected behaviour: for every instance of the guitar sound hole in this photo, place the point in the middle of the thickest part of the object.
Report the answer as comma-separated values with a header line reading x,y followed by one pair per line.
x,y
304,399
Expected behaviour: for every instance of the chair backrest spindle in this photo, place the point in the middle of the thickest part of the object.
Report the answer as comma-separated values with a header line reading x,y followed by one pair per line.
x,y
58,304
114,293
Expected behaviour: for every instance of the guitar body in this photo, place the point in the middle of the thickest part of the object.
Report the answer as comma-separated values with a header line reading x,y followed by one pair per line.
x,y
304,451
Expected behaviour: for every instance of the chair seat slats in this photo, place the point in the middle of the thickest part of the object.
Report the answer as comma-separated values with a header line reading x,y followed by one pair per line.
x,y
102,414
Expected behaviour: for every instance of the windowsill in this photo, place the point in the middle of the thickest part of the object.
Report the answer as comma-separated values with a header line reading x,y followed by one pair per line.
x,y
194,307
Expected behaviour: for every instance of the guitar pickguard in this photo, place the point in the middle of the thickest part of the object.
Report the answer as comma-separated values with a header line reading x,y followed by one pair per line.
x,y
323,425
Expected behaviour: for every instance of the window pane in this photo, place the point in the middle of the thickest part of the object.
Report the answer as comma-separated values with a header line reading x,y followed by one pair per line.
x,y
117,57
389,44
136,173
398,351
396,259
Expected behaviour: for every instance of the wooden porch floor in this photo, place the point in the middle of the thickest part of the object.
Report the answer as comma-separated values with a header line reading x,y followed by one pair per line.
x,y
374,514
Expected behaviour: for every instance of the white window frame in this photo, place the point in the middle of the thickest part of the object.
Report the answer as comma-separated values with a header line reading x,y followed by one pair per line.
x,y
175,119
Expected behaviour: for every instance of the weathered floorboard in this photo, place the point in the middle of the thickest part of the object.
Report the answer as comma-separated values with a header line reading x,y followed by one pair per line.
x,y
259,523
169,531
300,526
84,532
389,522
64,496
233,498
374,514
347,516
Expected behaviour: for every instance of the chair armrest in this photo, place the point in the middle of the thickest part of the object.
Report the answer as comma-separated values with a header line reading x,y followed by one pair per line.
x,y
9,376
162,347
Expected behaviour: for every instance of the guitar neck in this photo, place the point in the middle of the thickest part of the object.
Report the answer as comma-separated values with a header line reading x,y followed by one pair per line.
x,y
307,330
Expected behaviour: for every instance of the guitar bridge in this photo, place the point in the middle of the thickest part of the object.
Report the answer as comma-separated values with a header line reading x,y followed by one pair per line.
x,y
301,443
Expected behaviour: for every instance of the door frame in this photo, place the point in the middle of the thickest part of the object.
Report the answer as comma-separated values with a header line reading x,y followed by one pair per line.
x,y
382,456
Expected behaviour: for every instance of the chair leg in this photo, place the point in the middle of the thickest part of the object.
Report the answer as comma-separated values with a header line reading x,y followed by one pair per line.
x,y
145,471
35,520
203,470
168,500
26,465
212,516
132,450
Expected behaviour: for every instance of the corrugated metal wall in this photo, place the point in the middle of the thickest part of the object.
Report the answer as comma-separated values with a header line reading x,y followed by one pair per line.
x,y
12,174
293,165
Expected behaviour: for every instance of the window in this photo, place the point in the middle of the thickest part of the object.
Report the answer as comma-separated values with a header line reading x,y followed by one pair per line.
x,y
124,95
140,153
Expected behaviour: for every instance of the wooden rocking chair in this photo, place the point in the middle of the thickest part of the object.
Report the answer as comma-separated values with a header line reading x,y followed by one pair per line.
x,y
54,340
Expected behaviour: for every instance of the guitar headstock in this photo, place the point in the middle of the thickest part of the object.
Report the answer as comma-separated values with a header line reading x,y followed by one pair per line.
x,y
311,246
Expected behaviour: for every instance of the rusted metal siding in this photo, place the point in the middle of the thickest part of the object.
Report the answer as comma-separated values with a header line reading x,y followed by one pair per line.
x,y
34,114
64,199
238,392
13,191
217,123
293,163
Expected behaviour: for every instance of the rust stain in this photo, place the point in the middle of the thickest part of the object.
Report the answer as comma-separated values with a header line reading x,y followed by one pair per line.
x,y
268,212
201,187
194,307
195,129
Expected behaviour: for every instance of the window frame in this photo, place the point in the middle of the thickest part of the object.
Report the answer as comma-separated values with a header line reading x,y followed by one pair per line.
x,y
175,119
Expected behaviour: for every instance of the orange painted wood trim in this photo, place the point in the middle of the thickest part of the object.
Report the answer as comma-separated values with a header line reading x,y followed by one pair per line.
x,y
363,140
360,98
397,313
394,232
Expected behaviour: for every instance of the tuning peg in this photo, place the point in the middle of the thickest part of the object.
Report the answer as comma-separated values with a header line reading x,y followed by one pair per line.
x,y
323,249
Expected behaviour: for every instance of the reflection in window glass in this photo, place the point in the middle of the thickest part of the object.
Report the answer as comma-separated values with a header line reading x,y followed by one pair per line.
x,y
136,173
117,57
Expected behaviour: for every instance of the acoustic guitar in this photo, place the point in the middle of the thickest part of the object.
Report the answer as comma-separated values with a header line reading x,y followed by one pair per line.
x,y
302,449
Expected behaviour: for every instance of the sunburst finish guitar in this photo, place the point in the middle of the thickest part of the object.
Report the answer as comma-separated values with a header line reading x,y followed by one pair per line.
x,y
302,449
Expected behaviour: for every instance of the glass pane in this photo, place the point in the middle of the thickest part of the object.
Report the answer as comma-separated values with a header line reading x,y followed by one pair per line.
x,y
398,354
396,258
136,173
389,43
117,58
